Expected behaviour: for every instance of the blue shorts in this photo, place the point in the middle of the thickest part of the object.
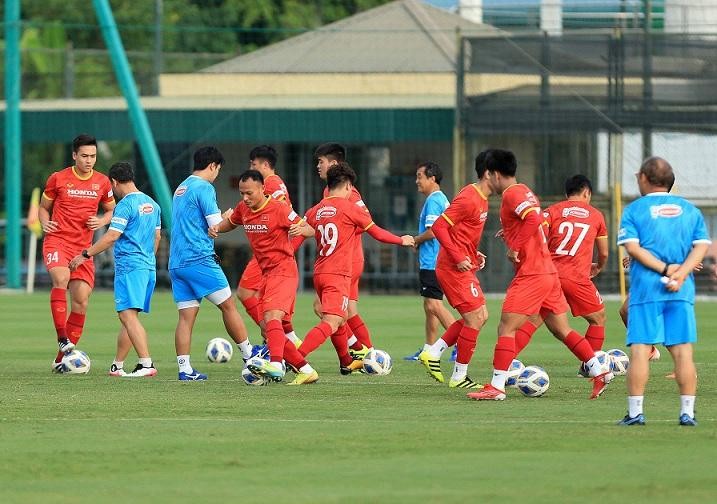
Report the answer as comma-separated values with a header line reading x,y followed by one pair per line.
x,y
133,290
192,283
666,322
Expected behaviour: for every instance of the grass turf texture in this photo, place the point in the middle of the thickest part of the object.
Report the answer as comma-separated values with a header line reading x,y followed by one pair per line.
x,y
398,438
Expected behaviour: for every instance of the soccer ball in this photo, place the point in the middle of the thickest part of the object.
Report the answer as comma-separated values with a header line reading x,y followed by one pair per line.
x,y
377,362
252,379
76,362
604,360
219,350
533,381
516,367
620,361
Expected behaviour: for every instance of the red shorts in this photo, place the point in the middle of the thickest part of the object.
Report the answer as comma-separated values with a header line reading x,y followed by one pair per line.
x,y
462,289
582,296
251,278
278,288
56,254
533,294
356,272
333,292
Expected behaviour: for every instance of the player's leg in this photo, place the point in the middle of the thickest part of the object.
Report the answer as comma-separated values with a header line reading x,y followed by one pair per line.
x,y
138,337
680,335
60,277
124,345
274,369
80,291
473,321
187,301
321,332
233,323
133,293
585,301
524,333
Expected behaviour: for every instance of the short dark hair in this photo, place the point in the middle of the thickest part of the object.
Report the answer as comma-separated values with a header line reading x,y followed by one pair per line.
x,y
251,175
576,184
204,156
480,165
339,174
82,140
501,161
265,152
431,169
334,151
121,172
658,172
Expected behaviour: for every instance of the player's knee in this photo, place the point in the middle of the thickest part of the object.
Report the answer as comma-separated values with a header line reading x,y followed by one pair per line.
x,y
597,318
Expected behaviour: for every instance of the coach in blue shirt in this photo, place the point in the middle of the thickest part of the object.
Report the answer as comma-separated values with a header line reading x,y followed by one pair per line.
x,y
428,182
666,237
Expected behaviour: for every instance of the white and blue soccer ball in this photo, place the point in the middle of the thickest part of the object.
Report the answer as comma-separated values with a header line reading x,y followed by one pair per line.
x,y
604,360
76,362
219,350
516,367
533,381
253,379
620,361
377,362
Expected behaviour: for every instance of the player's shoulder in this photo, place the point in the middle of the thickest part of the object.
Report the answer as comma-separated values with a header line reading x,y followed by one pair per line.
x,y
98,176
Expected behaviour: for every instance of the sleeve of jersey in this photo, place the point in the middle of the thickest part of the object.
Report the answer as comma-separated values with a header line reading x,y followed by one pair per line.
x,y
628,231
602,228
433,211
120,217
382,235
207,199
50,191
441,232
531,222
158,222
235,217
700,234
107,196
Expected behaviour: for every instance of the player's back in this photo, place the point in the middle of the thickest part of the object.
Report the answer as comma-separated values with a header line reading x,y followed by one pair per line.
x,y
137,216
193,201
274,186
467,215
573,227
336,222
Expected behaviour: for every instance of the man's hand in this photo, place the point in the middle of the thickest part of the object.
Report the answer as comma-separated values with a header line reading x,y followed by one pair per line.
x,y
465,265
93,223
594,270
301,229
499,233
408,241
213,232
50,226
76,262
513,256
626,262
481,260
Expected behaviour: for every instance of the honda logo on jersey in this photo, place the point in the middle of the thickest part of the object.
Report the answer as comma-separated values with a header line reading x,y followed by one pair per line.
x,y
667,210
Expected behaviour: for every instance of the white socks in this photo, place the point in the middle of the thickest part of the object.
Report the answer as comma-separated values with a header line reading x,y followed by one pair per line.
x,y
307,369
498,380
352,339
146,361
119,364
634,405
244,347
459,371
437,349
291,336
687,405
183,363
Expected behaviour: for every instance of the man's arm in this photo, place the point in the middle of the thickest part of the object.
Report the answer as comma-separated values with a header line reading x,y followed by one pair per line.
x,y
603,250
48,225
380,234
99,246
95,222
224,226
157,239
440,230
678,276
425,236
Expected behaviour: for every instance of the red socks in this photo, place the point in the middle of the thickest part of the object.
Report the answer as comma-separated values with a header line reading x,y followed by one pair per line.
x,y
466,344
523,335
58,308
595,336
451,334
251,305
504,353
314,338
360,331
340,341
292,355
579,346
74,326
287,326
276,340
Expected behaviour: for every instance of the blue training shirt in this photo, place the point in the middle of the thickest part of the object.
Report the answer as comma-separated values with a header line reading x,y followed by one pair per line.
x,y
194,201
667,226
137,217
435,204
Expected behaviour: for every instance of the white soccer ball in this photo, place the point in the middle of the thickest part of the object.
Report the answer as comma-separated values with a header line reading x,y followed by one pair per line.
x,y
516,367
377,362
620,361
533,381
219,350
76,362
252,379
604,360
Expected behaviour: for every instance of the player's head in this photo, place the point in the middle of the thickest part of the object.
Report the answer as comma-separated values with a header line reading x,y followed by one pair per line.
x,y
340,178
327,155
263,158
251,188
121,174
655,175
428,177
84,152
502,166
579,186
208,160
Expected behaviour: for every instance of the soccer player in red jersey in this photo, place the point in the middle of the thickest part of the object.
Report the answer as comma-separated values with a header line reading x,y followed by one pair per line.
x,y
328,155
266,222
574,229
68,214
535,289
458,230
263,159
334,223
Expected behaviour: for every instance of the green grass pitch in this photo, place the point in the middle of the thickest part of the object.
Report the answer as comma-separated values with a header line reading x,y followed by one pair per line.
x,y
399,438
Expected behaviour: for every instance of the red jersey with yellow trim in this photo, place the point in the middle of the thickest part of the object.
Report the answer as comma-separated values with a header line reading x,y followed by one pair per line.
x,y
338,222
466,216
534,257
75,199
267,229
275,187
573,227
356,199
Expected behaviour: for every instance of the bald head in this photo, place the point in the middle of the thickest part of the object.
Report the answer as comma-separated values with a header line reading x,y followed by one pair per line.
x,y
658,172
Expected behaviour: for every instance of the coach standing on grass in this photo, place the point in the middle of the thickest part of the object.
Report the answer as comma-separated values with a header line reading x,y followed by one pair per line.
x,y
666,237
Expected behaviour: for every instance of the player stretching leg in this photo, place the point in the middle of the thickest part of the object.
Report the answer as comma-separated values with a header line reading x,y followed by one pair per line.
x,y
193,265
458,230
68,215
535,287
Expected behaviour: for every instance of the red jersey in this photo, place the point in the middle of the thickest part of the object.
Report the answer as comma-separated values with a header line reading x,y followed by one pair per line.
x,y
338,222
466,216
275,187
573,227
355,198
75,199
518,201
267,229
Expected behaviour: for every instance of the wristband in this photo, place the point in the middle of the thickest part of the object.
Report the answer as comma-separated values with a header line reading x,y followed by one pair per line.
x,y
664,271
85,254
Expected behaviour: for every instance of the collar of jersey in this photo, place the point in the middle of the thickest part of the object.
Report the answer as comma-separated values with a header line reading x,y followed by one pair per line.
x,y
657,193
88,177
479,192
268,199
